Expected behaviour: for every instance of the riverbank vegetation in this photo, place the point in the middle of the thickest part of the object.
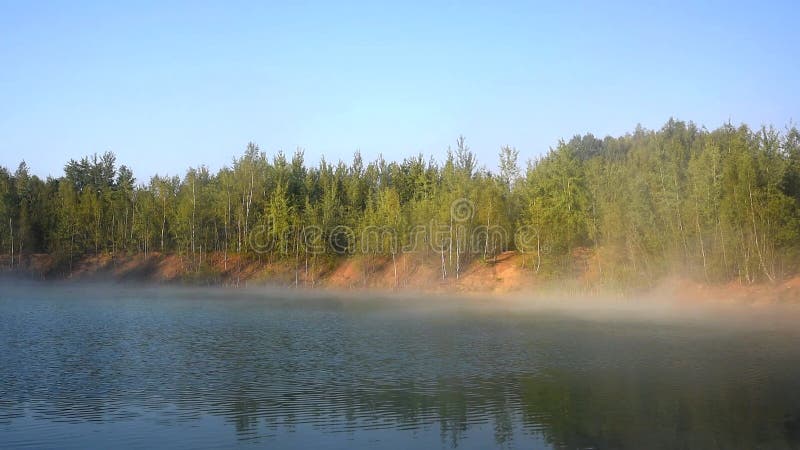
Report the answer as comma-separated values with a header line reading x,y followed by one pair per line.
x,y
716,205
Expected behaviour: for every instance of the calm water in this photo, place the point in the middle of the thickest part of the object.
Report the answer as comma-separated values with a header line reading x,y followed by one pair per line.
x,y
186,369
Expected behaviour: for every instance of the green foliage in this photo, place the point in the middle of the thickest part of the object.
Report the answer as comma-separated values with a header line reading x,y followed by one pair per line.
x,y
717,205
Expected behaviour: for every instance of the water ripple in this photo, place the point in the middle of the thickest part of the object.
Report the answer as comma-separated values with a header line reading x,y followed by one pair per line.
x,y
135,371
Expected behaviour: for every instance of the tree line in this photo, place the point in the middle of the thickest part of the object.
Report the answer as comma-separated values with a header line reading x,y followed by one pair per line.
x,y
718,205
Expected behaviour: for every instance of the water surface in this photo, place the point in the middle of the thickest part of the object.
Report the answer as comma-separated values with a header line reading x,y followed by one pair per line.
x,y
99,367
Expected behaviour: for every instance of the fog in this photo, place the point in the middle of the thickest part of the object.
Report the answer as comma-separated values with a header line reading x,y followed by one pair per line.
x,y
661,305
153,364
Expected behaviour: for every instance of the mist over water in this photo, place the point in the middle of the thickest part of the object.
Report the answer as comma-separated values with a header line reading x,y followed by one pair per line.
x,y
97,366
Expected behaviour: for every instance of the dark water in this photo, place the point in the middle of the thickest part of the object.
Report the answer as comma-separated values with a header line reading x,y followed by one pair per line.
x,y
149,368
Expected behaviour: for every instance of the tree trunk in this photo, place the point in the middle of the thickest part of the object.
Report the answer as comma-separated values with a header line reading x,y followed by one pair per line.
x,y
163,222
700,239
755,235
11,230
192,227
444,266
227,219
394,262
458,255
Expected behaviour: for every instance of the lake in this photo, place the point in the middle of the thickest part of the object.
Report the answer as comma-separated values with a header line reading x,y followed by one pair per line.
x,y
99,367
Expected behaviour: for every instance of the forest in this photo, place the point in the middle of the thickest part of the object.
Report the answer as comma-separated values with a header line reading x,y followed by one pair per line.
x,y
714,205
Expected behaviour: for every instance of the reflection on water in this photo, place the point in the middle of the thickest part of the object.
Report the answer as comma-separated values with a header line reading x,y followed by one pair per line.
x,y
180,369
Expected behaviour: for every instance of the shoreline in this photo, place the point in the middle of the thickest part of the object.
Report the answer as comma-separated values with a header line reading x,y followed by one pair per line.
x,y
504,277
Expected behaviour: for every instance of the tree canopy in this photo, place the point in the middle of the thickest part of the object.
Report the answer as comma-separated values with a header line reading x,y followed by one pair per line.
x,y
718,205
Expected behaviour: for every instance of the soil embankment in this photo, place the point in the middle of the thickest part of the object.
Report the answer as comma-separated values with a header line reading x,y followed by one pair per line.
x,y
505,274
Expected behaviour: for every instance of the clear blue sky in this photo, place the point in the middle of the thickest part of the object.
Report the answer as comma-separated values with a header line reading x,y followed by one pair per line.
x,y
166,85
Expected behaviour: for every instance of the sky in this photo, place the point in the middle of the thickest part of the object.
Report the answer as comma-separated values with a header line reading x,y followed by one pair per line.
x,y
167,85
